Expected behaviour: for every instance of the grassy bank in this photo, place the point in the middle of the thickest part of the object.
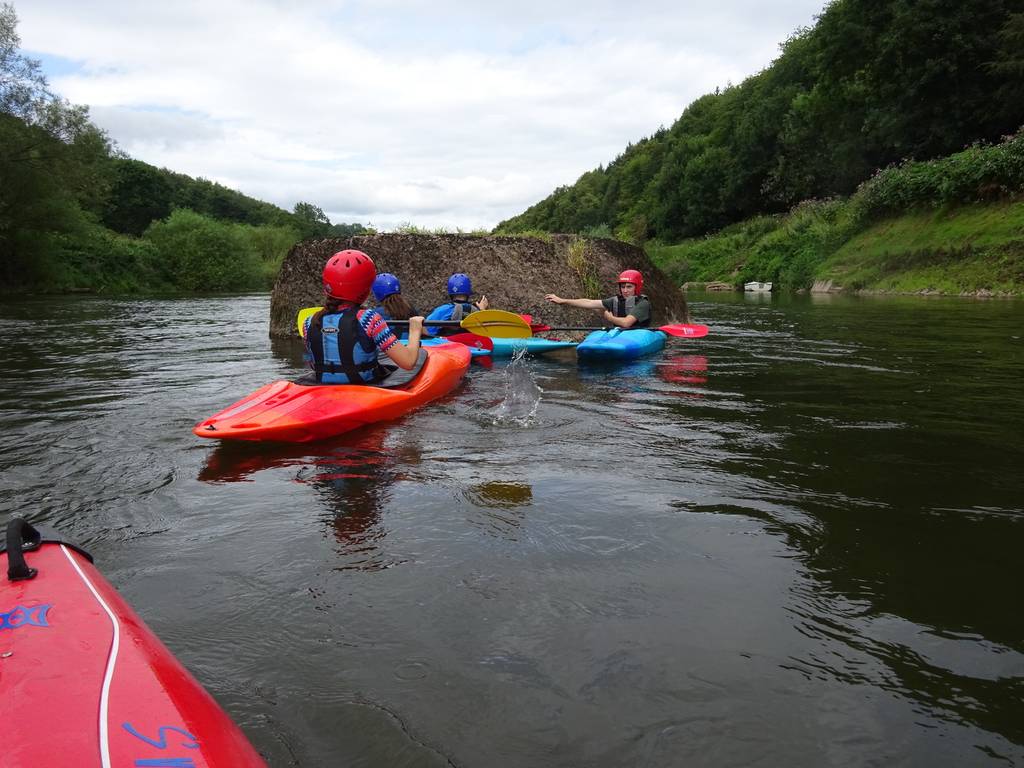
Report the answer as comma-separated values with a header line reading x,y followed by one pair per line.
x,y
966,249
952,225
971,249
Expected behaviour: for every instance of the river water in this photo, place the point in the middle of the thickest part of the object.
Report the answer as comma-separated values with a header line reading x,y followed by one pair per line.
x,y
794,542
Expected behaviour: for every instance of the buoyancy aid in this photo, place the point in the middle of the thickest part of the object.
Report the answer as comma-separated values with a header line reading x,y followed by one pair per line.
x,y
342,351
623,306
451,311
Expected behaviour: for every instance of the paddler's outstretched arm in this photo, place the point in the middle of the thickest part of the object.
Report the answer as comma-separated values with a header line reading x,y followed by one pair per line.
x,y
581,303
405,354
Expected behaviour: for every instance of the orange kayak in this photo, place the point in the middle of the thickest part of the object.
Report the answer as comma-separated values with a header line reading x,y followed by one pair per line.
x,y
296,413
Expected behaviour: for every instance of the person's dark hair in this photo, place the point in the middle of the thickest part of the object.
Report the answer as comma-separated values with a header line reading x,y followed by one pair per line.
x,y
397,307
331,305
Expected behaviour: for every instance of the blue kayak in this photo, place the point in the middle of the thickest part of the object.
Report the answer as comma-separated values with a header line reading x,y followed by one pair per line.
x,y
434,341
534,346
619,344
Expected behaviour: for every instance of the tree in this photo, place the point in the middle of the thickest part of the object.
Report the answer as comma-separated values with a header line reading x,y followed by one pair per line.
x,y
140,194
52,164
312,221
24,91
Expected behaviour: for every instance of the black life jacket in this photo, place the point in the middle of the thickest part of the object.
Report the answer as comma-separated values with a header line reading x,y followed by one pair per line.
x,y
342,354
623,306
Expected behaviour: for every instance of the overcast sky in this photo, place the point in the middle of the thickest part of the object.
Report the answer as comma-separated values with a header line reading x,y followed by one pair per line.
x,y
441,113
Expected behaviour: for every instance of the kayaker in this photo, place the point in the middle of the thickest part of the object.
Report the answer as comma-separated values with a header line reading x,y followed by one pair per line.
x,y
460,288
342,340
387,290
629,309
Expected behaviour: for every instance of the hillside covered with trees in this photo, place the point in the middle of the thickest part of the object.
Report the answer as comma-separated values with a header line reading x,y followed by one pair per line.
x,y
870,85
76,214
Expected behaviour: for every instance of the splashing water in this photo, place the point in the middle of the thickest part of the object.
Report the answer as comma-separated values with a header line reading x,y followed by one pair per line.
x,y
522,393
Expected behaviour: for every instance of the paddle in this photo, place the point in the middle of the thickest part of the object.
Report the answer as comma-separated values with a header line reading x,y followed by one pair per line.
x,y
535,327
679,329
494,323
472,340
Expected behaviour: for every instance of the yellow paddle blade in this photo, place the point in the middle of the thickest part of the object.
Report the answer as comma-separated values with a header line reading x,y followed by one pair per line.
x,y
496,323
304,315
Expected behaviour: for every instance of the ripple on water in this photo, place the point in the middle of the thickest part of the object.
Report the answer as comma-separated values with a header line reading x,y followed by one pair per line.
x,y
790,542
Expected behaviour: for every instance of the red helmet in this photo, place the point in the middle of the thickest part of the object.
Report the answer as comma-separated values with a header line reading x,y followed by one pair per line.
x,y
634,277
348,276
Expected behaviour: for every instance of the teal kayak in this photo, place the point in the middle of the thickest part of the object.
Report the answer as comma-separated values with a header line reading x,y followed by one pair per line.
x,y
619,344
533,346
435,340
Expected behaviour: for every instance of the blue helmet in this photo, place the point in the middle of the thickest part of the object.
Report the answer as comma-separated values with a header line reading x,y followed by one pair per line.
x,y
459,284
385,285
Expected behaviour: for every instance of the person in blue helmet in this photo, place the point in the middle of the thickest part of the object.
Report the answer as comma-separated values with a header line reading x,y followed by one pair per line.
x,y
458,305
387,290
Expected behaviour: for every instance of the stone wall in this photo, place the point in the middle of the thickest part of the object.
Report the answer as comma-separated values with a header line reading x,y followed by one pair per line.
x,y
513,272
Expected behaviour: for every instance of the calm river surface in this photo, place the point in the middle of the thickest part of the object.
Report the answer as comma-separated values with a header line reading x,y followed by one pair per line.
x,y
797,542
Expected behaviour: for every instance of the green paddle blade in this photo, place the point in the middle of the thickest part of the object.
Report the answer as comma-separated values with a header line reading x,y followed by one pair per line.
x,y
496,323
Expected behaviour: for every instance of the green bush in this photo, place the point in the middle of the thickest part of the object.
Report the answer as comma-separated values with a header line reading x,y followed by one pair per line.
x,y
96,260
978,173
201,254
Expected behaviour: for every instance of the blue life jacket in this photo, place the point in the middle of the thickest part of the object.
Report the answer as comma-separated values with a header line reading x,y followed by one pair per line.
x,y
449,311
342,351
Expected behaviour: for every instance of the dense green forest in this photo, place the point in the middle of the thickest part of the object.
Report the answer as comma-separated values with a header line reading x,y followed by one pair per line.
x,y
870,86
76,214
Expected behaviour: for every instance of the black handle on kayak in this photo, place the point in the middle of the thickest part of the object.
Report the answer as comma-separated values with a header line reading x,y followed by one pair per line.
x,y
21,538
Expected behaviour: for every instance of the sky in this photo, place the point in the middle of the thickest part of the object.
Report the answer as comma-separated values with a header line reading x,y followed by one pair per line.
x,y
441,114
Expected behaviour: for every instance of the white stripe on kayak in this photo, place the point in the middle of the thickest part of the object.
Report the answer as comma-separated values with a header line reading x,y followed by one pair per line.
x,y
111,662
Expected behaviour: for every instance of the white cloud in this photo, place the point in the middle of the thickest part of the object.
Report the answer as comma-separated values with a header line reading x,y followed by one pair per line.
x,y
442,113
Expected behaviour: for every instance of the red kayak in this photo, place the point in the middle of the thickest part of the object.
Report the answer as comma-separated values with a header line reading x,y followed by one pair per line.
x,y
296,413
85,682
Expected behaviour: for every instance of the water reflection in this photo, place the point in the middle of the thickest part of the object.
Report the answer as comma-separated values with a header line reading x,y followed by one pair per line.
x,y
501,495
498,507
683,369
891,604
353,476
676,367
288,350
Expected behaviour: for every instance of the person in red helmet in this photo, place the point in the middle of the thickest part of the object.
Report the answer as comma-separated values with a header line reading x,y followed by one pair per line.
x,y
629,309
342,340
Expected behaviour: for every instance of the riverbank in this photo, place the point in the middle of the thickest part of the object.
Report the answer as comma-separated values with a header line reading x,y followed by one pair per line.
x,y
968,250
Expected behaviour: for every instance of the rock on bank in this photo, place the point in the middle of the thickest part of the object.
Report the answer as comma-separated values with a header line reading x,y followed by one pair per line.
x,y
513,272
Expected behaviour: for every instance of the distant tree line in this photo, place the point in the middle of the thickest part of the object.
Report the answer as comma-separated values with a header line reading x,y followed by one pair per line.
x,y
870,85
78,214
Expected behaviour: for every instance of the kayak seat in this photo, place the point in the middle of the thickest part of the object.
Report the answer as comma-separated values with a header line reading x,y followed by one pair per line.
x,y
396,378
